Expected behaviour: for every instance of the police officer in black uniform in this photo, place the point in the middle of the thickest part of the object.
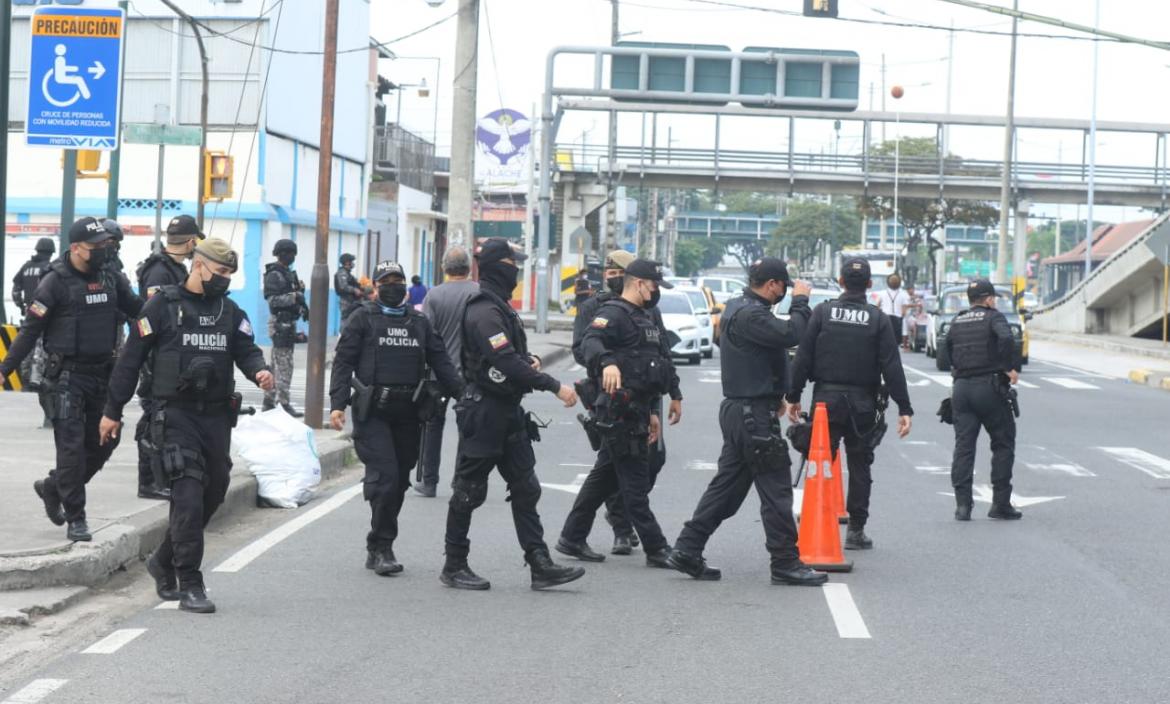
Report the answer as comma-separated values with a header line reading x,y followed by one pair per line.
x,y
848,349
623,347
28,276
349,292
165,268
387,347
624,537
754,365
494,430
985,366
286,303
191,335
75,307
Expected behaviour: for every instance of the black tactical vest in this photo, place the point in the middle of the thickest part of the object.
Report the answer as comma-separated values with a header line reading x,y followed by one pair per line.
x,y
972,342
476,367
847,346
195,364
175,273
84,323
748,370
394,354
642,365
31,275
288,284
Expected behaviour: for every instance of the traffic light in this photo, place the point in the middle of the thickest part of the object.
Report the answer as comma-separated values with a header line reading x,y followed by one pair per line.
x,y
218,169
820,8
88,160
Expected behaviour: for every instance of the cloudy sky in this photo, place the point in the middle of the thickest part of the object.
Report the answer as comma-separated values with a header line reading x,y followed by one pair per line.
x,y
1053,78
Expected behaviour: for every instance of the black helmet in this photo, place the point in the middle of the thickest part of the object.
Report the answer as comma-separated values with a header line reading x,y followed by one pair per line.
x,y
114,228
284,247
347,258
45,244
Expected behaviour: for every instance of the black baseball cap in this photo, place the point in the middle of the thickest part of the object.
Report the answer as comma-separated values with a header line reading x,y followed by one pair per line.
x,y
388,268
495,249
89,230
855,270
648,270
769,268
980,288
184,225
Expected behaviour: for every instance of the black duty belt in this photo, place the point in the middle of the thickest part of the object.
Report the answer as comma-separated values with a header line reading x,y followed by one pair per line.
x,y
843,388
93,368
197,406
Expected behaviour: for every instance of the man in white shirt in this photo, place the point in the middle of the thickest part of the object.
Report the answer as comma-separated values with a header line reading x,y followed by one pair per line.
x,y
894,302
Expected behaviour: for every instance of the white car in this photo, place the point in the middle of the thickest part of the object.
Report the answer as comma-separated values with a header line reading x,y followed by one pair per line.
x,y
816,297
682,326
706,328
723,287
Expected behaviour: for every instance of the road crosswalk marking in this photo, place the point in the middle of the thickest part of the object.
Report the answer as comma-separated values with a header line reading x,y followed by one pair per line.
x,y
35,691
114,642
1153,465
1070,383
846,616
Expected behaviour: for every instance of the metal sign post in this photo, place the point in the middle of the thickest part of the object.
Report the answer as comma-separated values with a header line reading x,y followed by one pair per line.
x,y
162,134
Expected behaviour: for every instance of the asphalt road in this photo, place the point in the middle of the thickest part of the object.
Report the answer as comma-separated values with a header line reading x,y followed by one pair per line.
x,y
1068,605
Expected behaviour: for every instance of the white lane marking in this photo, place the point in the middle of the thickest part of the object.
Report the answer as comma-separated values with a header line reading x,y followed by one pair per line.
x,y
983,494
167,606
1064,467
1153,465
844,610
919,442
575,464
934,468
1069,383
573,487
1027,384
244,557
114,642
703,466
1075,370
35,691
576,367
941,379
919,382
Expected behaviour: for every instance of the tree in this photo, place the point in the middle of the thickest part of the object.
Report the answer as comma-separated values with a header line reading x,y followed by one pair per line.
x,y
688,257
810,224
746,251
735,201
920,217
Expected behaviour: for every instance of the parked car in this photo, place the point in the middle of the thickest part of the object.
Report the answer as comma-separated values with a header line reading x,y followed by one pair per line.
x,y
716,309
703,315
724,287
951,302
682,326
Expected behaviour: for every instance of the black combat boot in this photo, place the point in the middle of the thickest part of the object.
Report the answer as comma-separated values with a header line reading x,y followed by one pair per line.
x,y
799,574
856,539
659,558
1004,511
546,573
622,545
52,500
963,511
194,599
694,565
166,584
268,406
78,531
384,563
288,408
426,489
457,574
580,550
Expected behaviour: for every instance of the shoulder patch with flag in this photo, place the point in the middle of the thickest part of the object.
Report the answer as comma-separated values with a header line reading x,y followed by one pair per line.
x,y
599,322
498,340
246,327
38,309
151,290
144,329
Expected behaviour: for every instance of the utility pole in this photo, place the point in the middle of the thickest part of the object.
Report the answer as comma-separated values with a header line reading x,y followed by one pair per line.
x,y
463,124
1005,189
950,76
1092,148
319,280
611,148
5,52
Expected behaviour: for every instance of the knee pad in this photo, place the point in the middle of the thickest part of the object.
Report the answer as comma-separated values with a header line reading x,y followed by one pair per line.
x,y
525,492
467,495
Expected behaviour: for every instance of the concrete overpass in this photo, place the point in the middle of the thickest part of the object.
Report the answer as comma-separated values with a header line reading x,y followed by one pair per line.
x,y
1122,296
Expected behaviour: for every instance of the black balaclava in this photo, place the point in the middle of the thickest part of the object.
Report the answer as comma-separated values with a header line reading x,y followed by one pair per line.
x,y
500,277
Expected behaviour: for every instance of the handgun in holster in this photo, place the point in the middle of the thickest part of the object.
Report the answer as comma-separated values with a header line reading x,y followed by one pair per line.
x,y
766,446
361,399
1010,395
157,425
587,390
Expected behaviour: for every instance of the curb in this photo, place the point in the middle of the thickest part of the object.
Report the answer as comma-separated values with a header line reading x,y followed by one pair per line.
x,y
1091,342
1152,378
90,564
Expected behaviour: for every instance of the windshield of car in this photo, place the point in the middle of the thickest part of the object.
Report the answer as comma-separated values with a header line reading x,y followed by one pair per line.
x,y
675,303
698,300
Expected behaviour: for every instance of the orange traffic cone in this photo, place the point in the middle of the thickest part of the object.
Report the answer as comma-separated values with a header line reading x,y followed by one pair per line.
x,y
820,536
839,489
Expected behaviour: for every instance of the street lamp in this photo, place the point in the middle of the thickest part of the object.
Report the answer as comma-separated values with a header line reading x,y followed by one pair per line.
x,y
897,92
423,91
438,73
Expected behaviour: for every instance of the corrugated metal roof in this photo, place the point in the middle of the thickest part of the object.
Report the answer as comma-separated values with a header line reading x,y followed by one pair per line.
x,y
1107,239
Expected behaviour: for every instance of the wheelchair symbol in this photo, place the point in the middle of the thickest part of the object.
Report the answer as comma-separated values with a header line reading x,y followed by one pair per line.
x,y
62,74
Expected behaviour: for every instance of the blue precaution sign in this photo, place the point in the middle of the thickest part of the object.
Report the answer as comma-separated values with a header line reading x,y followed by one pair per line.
x,y
75,77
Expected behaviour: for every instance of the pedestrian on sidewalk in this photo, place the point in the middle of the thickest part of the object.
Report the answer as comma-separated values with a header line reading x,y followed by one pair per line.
x,y
444,307
385,352
75,307
286,304
893,302
165,268
418,292
191,335
494,430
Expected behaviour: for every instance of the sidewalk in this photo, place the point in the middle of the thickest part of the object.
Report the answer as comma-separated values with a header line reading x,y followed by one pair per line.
x,y
1141,361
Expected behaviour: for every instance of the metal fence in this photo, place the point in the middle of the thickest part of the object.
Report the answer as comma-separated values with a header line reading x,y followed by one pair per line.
x,y
404,157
